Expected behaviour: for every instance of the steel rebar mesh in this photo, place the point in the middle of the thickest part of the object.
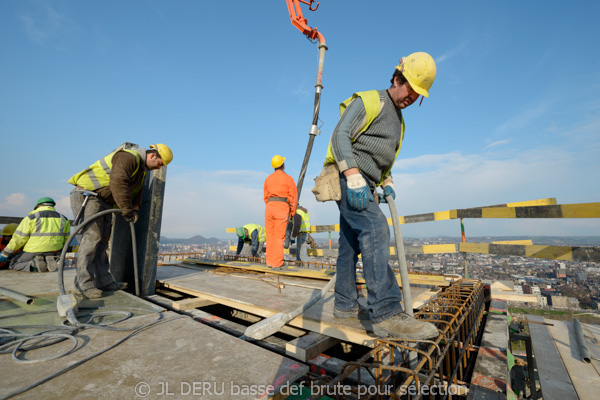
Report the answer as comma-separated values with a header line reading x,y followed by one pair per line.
x,y
432,368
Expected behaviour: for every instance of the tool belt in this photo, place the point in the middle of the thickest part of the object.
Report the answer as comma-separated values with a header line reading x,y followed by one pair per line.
x,y
327,185
283,199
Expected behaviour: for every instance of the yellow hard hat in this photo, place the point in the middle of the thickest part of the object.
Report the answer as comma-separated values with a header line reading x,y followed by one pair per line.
x,y
277,161
164,152
419,70
9,229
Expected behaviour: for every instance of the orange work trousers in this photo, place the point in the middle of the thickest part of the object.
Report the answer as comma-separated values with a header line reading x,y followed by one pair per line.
x,y
276,218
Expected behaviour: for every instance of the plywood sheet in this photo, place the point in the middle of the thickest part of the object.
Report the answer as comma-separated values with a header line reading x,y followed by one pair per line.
x,y
260,298
584,376
553,375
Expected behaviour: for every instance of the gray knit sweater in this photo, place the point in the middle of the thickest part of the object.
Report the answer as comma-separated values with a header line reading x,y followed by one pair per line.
x,y
374,151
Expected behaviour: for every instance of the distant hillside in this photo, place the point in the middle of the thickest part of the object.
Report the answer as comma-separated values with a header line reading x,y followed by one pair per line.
x,y
193,240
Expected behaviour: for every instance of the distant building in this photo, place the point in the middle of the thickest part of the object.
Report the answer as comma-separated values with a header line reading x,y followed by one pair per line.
x,y
542,300
564,302
526,289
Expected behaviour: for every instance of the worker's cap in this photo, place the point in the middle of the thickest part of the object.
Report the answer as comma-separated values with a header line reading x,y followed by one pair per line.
x,y
164,152
277,161
45,201
9,230
240,232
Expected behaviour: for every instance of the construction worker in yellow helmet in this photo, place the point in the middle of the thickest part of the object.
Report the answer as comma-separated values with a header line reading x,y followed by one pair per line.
x,y
364,146
115,180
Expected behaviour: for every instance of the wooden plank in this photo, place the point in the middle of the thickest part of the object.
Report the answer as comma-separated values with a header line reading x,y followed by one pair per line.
x,y
553,376
323,273
260,299
271,343
189,304
584,376
308,346
491,369
288,330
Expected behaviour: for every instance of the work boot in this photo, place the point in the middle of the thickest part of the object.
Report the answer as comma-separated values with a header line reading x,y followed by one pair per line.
x,y
92,293
114,286
39,264
360,313
52,263
403,326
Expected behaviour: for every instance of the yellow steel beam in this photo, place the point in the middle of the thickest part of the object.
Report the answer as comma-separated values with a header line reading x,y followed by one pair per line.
x,y
453,214
410,250
444,215
526,241
583,210
566,253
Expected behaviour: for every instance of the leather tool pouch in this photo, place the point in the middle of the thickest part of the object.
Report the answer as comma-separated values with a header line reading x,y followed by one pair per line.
x,y
327,185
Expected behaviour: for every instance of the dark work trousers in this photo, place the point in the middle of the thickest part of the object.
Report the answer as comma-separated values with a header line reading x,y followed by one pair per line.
x,y
92,258
22,261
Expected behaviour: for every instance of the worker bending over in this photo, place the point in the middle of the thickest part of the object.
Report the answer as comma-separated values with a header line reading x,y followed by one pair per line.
x,y
281,198
364,145
117,179
301,233
42,235
252,234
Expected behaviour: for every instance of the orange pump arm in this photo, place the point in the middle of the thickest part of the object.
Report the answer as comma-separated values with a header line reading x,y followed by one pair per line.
x,y
300,22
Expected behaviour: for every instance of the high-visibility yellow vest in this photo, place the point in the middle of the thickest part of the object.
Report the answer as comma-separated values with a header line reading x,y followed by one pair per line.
x,y
97,175
373,106
44,229
305,225
262,237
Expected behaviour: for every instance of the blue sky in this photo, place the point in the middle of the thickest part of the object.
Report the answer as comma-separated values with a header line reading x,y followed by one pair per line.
x,y
513,115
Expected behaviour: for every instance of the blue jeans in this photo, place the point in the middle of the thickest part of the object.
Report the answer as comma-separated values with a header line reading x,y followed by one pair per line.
x,y
367,233
302,247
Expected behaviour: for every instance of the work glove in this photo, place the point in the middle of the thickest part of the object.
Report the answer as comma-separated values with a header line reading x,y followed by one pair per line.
x,y
3,259
131,217
359,193
388,190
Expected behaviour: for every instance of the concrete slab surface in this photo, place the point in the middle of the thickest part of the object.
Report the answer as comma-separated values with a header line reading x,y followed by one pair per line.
x,y
176,358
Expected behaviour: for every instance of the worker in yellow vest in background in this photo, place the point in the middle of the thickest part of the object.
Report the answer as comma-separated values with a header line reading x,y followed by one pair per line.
x,y
252,234
41,235
301,233
116,180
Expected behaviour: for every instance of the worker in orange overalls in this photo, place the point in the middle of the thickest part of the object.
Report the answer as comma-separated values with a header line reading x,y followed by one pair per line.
x,y
281,197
